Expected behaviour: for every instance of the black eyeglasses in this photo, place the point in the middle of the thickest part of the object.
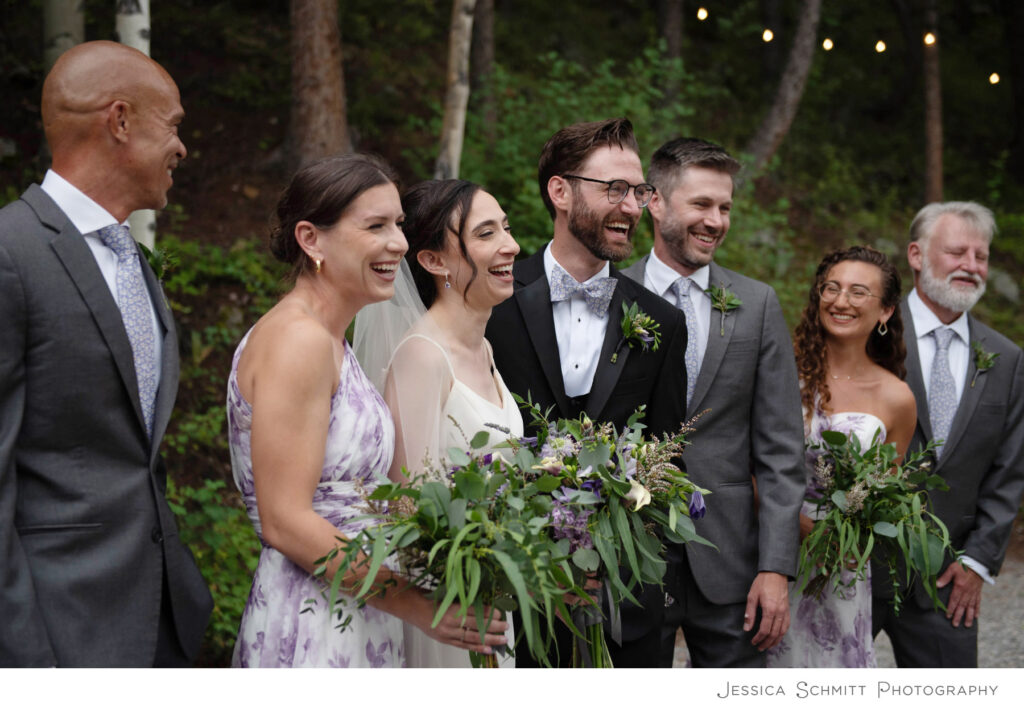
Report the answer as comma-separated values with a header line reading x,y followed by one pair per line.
x,y
856,296
619,189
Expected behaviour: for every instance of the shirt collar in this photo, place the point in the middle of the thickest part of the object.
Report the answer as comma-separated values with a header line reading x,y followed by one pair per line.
x,y
550,262
925,321
84,213
662,276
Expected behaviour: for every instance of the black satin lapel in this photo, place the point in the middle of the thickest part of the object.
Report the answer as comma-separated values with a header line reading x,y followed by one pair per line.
x,y
915,378
970,397
607,373
719,335
167,389
534,301
81,266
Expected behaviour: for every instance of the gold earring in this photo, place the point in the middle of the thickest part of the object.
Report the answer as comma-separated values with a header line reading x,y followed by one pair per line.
x,y
318,262
882,328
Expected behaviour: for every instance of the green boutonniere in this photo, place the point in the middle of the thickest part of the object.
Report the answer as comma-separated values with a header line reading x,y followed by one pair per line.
x,y
159,260
724,301
983,360
638,329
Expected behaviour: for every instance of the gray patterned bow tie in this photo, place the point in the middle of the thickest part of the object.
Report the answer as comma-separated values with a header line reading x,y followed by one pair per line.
x,y
597,293
133,301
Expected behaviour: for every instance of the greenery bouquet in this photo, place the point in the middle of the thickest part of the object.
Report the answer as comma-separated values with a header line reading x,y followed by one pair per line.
x,y
610,498
871,506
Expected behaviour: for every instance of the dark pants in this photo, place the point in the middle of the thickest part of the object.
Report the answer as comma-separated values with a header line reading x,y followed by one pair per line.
x,y
923,637
714,632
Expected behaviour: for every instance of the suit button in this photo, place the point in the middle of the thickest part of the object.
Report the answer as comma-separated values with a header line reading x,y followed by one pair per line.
x,y
156,535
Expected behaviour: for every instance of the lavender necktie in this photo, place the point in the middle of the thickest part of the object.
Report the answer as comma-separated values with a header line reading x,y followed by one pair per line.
x,y
136,312
681,288
941,387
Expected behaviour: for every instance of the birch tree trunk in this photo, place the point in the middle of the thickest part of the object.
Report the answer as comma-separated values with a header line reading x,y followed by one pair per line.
x,y
457,90
776,124
132,27
319,125
63,28
932,110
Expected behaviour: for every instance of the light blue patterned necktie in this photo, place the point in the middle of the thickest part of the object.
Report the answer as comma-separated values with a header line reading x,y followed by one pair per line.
x,y
681,288
597,293
136,313
941,387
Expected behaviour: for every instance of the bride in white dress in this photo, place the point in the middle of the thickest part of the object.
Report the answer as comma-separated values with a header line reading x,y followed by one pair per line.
x,y
439,379
850,354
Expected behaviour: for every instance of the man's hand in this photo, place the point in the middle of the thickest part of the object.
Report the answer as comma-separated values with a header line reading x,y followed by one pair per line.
x,y
965,600
770,593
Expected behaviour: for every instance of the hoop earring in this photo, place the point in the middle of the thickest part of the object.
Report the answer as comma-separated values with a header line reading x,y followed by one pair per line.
x,y
447,284
882,328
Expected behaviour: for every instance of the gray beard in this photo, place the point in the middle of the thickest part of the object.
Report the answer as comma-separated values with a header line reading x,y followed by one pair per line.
x,y
943,293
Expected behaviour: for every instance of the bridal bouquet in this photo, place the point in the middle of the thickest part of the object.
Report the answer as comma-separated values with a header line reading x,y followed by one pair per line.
x,y
870,506
611,499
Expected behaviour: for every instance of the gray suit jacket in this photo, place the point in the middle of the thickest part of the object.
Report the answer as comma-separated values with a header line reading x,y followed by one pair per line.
x,y
983,458
748,385
85,531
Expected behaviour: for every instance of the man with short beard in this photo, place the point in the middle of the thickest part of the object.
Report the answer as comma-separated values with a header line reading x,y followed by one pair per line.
x,y
968,381
558,340
732,603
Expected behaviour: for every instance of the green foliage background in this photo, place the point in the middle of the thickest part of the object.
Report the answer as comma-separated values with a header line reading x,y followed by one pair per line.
x,y
850,170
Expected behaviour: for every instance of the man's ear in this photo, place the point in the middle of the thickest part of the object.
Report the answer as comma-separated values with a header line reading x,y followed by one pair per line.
x,y
558,191
117,121
915,256
656,207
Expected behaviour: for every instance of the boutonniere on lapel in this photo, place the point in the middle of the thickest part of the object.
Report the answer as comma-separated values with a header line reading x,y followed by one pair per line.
x,y
160,261
983,360
724,301
638,329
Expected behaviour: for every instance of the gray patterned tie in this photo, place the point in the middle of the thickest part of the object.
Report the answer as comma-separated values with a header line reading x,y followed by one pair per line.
x,y
681,287
136,313
941,387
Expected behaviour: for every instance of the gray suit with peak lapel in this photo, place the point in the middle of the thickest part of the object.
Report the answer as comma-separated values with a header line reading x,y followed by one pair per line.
x,y
753,427
983,464
86,536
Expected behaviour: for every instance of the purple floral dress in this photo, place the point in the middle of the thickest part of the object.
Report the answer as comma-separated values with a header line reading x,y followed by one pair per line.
x,y
287,620
833,631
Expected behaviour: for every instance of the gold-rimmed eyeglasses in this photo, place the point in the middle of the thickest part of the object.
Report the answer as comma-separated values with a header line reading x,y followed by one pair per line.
x,y
855,295
619,189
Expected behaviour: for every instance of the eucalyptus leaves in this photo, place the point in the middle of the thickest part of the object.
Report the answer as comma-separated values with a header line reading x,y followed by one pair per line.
x,y
983,360
638,330
724,301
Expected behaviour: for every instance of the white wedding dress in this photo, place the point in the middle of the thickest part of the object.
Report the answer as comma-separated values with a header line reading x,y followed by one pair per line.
x,y
421,364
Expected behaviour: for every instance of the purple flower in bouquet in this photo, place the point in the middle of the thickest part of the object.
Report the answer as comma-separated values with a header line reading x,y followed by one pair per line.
x,y
559,447
595,486
569,523
528,441
697,508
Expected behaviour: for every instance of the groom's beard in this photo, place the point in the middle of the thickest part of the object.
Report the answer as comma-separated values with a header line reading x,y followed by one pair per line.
x,y
588,228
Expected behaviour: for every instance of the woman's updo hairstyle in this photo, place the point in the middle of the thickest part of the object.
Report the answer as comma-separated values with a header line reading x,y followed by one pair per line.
x,y
431,210
319,193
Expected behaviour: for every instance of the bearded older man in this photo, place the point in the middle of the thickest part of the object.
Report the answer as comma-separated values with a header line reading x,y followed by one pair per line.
x,y
968,381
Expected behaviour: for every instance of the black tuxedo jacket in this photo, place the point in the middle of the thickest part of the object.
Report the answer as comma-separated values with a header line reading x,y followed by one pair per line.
x,y
522,332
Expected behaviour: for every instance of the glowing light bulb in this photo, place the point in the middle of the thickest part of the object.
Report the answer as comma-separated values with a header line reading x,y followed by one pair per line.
x,y
993,78
767,35
702,14
827,44
929,39
880,46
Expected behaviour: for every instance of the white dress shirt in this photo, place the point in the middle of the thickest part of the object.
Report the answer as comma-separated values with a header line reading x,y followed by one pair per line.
x,y
925,322
659,278
88,217
579,332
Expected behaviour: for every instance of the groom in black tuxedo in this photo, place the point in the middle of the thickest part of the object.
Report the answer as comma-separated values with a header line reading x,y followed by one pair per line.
x,y
555,338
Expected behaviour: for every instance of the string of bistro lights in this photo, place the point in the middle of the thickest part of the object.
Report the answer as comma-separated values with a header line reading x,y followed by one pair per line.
x,y
827,44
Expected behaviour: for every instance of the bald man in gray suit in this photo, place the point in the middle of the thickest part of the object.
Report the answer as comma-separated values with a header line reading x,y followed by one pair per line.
x,y
92,572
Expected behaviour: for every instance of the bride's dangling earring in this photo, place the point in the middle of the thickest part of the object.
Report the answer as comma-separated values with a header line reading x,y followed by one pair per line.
x,y
447,284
